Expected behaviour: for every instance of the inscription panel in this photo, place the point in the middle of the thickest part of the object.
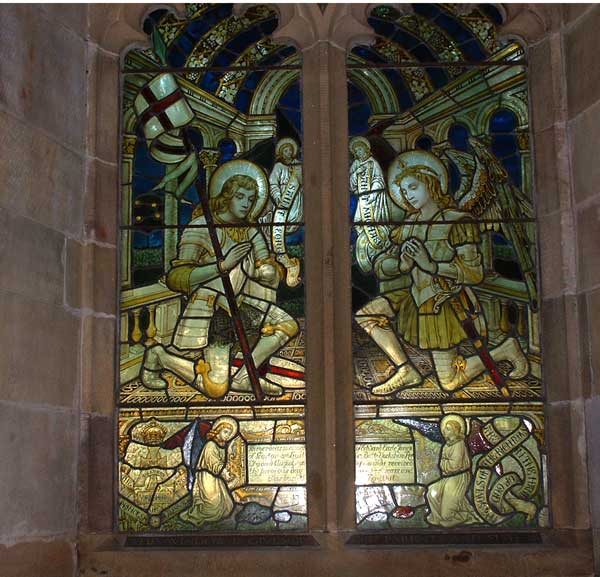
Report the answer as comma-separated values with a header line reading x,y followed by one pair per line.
x,y
276,464
379,463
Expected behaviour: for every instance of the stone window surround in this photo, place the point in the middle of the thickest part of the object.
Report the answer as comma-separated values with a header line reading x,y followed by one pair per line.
x,y
323,38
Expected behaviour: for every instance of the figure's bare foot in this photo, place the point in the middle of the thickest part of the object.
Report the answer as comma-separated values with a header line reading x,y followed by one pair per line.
x,y
405,377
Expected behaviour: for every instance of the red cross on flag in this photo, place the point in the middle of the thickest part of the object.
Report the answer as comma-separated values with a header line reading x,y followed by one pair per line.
x,y
161,106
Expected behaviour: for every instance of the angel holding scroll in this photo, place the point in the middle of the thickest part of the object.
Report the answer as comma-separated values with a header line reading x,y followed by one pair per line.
x,y
285,206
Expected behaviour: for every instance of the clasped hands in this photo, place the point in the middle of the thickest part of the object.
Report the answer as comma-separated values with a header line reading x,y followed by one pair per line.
x,y
413,252
266,273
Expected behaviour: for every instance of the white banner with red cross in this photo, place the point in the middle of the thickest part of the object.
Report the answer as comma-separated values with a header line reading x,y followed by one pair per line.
x,y
163,111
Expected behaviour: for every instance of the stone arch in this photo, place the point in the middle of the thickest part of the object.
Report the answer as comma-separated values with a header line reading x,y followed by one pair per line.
x,y
515,105
270,89
378,89
442,128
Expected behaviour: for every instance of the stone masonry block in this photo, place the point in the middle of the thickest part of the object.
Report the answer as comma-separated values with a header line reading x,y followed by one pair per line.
x,y
573,11
547,192
596,538
101,198
92,277
39,472
333,559
73,16
563,320
105,279
55,558
541,80
588,239
585,129
592,339
101,17
116,26
41,179
75,272
39,357
98,361
551,255
31,259
565,434
583,73
103,107
96,473
43,73
592,419
556,370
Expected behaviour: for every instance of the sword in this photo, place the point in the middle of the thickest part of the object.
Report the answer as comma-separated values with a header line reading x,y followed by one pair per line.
x,y
480,349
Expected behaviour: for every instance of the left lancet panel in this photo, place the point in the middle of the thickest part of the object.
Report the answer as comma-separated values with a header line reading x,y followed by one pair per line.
x,y
211,380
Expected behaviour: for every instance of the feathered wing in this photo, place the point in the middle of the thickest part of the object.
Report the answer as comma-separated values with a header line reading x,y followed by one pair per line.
x,y
477,442
429,429
487,193
191,440
475,193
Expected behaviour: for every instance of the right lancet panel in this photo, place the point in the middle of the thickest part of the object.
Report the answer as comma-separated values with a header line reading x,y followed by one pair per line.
x,y
447,362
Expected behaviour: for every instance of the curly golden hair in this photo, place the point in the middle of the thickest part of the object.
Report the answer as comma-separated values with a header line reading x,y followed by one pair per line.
x,y
431,181
279,155
212,434
220,203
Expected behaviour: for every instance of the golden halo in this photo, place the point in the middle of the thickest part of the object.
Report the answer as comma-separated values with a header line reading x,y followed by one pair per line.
x,y
233,424
246,168
359,140
427,162
286,141
452,417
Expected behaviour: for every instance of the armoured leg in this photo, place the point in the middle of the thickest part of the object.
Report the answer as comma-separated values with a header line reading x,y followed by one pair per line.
x,y
375,319
277,330
151,367
157,359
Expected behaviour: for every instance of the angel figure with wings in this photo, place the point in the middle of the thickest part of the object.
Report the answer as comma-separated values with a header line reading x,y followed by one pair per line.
x,y
438,248
487,193
488,471
211,498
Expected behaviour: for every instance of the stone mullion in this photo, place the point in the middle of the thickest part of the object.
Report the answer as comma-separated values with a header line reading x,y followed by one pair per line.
x,y
328,319
342,295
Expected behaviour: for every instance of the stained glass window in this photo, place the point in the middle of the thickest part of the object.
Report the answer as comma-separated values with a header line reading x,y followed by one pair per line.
x,y
448,395
211,389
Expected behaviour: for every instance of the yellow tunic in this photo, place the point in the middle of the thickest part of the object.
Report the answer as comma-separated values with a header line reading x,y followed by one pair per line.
x,y
425,317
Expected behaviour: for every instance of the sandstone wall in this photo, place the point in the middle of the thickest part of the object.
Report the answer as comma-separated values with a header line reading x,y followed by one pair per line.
x,y
582,113
59,111
43,94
